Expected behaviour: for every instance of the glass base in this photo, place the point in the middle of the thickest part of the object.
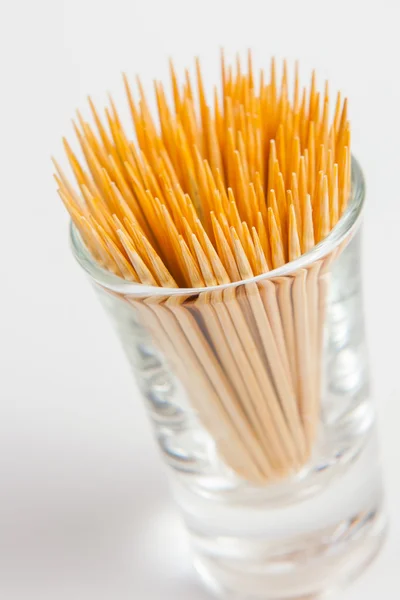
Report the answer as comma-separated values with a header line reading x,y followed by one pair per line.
x,y
318,567
303,547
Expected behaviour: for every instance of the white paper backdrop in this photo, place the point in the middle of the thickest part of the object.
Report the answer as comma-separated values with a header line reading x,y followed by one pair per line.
x,y
84,506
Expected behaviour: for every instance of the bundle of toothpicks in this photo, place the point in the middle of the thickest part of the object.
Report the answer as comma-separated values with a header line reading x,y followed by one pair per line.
x,y
214,191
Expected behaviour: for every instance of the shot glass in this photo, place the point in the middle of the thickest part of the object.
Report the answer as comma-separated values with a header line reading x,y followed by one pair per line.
x,y
260,398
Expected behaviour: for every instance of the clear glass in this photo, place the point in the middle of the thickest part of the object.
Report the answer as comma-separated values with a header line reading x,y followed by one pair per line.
x,y
260,399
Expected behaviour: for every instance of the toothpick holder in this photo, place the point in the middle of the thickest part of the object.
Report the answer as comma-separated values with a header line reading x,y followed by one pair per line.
x,y
260,398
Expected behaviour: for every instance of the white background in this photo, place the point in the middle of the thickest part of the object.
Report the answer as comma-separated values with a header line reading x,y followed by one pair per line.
x,y
84,506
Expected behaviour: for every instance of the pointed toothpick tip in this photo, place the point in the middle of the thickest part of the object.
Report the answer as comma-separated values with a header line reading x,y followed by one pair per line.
x,y
200,176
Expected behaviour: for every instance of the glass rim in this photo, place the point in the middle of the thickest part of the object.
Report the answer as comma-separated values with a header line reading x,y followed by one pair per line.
x,y
344,227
